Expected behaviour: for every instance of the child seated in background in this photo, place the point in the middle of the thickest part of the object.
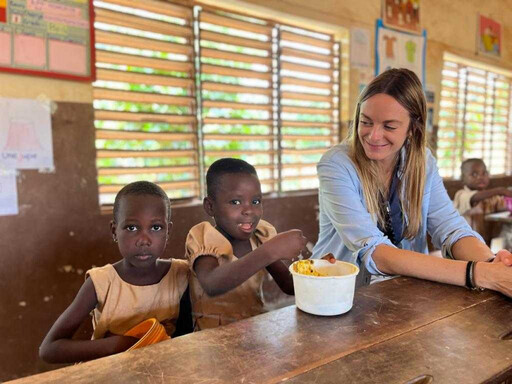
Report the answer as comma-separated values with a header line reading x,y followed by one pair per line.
x,y
228,260
474,201
123,294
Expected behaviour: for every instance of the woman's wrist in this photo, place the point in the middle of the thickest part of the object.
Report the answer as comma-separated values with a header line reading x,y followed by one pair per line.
x,y
480,275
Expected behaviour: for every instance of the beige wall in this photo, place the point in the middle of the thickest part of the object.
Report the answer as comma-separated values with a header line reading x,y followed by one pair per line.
x,y
450,24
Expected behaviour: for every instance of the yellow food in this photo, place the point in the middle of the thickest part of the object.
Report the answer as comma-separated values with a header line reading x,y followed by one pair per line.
x,y
306,267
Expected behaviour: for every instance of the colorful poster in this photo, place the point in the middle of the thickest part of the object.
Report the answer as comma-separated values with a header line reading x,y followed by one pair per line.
x,y
25,134
47,38
489,36
396,49
402,14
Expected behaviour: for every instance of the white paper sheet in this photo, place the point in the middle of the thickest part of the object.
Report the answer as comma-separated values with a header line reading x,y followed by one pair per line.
x,y
8,193
360,49
25,134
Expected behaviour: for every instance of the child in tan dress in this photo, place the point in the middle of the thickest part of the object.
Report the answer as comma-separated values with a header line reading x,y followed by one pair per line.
x,y
121,295
475,201
229,260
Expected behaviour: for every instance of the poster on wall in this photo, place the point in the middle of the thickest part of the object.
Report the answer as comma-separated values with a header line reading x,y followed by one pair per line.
x,y
8,193
47,38
25,134
395,49
402,14
488,37
360,48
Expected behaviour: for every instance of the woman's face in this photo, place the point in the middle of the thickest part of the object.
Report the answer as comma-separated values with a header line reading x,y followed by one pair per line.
x,y
383,128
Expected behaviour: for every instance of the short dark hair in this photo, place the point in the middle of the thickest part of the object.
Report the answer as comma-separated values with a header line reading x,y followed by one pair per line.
x,y
142,188
225,166
466,163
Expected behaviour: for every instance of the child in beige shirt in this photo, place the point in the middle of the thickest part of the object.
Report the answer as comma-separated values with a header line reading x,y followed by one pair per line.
x,y
229,260
121,295
475,201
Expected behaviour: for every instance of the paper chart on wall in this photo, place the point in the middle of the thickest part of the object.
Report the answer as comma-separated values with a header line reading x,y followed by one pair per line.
x,y
8,193
396,49
360,46
25,134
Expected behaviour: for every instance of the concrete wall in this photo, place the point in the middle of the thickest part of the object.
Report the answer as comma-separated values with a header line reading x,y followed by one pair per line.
x,y
60,231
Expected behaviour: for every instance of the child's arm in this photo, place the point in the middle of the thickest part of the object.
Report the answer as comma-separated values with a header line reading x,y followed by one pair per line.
x,y
218,279
282,276
58,346
485,194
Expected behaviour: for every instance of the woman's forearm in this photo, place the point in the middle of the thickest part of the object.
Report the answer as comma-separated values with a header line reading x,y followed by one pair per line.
x,y
395,261
470,248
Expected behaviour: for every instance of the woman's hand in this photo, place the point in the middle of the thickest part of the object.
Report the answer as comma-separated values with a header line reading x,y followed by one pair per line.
x,y
503,256
496,275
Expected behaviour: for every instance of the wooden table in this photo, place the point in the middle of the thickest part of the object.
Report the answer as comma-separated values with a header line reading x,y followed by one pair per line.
x,y
398,330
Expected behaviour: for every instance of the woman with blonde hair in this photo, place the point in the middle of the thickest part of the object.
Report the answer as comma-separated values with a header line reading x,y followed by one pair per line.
x,y
380,193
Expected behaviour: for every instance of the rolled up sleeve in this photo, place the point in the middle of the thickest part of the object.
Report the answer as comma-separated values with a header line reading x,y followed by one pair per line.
x,y
342,202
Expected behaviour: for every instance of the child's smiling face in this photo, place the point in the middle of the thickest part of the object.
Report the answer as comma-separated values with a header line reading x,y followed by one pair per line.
x,y
141,229
237,206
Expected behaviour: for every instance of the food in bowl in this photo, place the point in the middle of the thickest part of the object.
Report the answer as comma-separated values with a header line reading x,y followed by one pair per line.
x,y
306,267
328,295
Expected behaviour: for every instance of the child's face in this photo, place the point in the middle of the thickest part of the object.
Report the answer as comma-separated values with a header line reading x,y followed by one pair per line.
x,y
237,207
476,176
141,229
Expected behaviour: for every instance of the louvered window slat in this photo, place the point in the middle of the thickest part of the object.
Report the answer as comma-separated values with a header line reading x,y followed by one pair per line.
x,y
263,91
473,119
145,110
236,67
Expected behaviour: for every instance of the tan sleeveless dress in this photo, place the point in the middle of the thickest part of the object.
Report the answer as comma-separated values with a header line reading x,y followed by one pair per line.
x,y
121,305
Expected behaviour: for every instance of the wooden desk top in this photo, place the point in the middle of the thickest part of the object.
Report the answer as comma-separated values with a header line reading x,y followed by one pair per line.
x,y
288,343
501,217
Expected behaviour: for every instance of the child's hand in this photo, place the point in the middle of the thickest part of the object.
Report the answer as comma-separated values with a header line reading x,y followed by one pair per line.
x,y
506,192
287,245
121,343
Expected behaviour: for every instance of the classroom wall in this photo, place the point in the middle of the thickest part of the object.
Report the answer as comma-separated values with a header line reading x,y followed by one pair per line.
x,y
60,231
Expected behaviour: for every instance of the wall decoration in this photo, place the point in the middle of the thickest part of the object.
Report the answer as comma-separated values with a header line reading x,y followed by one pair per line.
x,y
25,134
395,49
8,193
360,48
402,14
488,36
47,38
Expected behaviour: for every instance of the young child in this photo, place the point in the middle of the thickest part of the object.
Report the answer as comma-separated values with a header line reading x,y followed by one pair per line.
x,y
123,294
474,201
228,260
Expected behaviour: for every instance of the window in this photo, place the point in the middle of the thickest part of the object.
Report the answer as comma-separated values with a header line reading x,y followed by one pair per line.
x,y
179,87
473,118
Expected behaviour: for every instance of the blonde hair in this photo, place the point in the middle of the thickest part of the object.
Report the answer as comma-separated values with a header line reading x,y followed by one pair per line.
x,y
405,87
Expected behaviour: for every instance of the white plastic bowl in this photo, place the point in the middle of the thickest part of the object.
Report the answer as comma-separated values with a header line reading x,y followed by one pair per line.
x,y
326,295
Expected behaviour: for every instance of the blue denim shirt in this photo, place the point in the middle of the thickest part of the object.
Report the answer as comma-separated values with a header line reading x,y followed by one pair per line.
x,y
350,233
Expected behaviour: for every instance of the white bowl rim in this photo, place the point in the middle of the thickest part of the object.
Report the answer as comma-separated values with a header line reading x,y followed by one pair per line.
x,y
355,273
